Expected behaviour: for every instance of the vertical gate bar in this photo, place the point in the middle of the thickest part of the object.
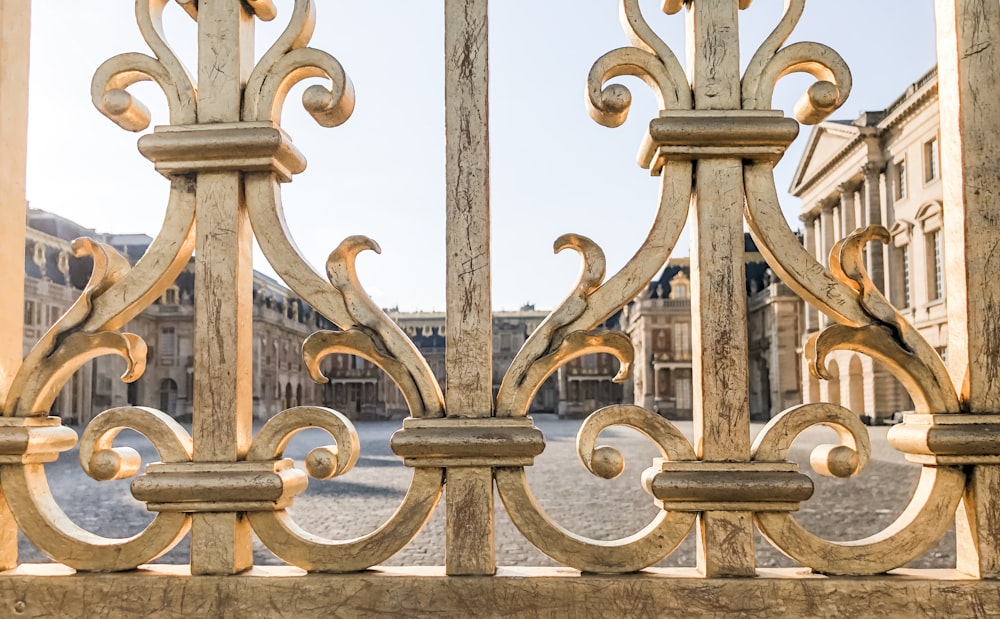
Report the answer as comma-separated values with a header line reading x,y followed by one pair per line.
x,y
469,323
14,47
718,305
968,31
221,542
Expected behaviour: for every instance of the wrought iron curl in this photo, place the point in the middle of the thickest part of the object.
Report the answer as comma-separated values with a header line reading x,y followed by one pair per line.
x,y
68,345
279,531
342,300
51,530
111,80
650,59
844,460
593,300
325,462
366,337
771,62
635,552
288,62
914,532
887,337
516,390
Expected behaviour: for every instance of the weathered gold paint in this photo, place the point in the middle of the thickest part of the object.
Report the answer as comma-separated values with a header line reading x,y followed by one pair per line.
x,y
226,156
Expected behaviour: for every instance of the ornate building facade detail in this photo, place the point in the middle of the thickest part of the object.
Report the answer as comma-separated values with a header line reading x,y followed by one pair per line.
x,y
658,323
356,386
883,168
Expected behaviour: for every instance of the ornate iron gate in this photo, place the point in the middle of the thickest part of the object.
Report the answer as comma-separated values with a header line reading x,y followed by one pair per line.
x,y
226,157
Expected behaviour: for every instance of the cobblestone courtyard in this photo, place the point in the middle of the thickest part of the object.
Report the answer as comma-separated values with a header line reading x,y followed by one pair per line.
x,y
360,501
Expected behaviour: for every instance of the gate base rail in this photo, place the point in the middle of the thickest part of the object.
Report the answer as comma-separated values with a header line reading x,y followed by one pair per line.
x,y
162,591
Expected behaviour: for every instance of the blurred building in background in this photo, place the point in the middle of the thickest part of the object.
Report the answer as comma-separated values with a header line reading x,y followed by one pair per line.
x,y
882,168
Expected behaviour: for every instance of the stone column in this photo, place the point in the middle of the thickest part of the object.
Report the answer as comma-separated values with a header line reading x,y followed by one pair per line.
x,y
809,232
818,236
14,38
829,240
968,56
848,213
829,233
872,172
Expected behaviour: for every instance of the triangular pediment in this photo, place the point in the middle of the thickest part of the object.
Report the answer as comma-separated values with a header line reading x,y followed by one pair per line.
x,y
827,142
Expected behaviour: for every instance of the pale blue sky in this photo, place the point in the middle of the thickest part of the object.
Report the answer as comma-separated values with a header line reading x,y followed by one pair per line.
x,y
382,174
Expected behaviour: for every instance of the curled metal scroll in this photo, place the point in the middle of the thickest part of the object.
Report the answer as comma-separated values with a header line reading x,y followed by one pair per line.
x,y
593,300
650,59
865,322
283,536
642,549
288,62
108,87
772,62
41,519
366,330
342,300
921,524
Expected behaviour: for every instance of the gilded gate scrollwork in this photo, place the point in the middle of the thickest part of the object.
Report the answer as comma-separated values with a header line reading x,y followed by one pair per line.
x,y
713,145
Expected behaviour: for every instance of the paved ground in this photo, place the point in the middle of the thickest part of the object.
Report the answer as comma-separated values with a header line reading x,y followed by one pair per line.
x,y
364,498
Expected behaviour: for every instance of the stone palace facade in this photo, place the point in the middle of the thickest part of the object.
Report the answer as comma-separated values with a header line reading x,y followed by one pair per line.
x,y
881,168
658,322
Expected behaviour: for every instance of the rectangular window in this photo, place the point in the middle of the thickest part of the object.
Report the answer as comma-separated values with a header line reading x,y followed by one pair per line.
x,y
684,393
168,343
662,340
931,158
682,340
936,283
29,313
900,178
54,312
